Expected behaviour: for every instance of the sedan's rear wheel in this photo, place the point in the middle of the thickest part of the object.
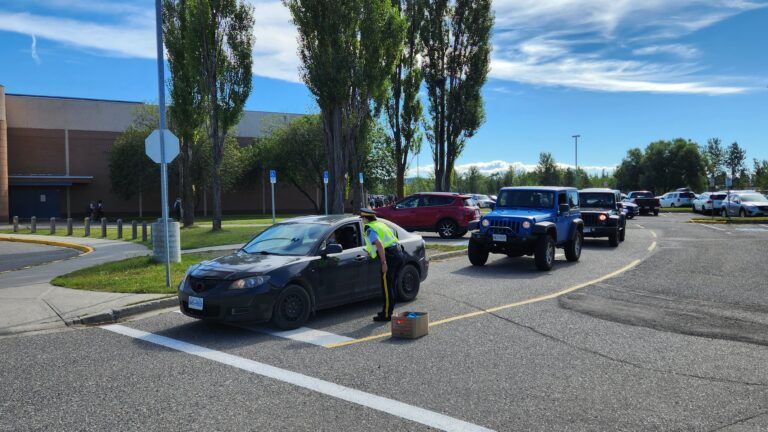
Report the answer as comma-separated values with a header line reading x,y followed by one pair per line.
x,y
724,212
742,213
408,284
292,308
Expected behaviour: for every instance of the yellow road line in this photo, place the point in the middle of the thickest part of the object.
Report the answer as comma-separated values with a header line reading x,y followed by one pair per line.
x,y
652,246
498,308
82,248
653,233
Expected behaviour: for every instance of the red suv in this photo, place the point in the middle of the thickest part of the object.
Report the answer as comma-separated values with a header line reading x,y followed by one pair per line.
x,y
449,214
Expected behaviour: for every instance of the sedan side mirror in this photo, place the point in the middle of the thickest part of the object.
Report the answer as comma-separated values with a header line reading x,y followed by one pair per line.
x,y
333,248
564,208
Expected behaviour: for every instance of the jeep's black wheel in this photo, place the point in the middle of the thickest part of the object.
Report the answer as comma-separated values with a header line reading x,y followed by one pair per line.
x,y
655,212
447,228
623,233
613,238
292,308
544,256
478,254
573,247
408,284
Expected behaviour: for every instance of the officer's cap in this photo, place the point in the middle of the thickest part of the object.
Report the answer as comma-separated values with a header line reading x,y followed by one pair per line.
x,y
368,213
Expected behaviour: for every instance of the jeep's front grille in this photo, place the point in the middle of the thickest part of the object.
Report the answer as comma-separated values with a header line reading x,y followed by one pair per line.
x,y
590,219
504,226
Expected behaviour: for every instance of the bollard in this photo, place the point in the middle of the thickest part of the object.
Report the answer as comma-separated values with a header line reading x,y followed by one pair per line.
x,y
87,227
53,226
133,230
15,224
144,231
33,225
103,227
119,228
69,226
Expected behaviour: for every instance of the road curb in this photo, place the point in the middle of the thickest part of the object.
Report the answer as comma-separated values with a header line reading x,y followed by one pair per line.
x,y
114,315
82,248
733,222
447,255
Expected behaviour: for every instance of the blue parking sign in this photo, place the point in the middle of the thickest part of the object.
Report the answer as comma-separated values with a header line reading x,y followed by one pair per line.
x,y
272,176
325,177
361,178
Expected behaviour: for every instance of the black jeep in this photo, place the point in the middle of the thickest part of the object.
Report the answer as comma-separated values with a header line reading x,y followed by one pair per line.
x,y
602,214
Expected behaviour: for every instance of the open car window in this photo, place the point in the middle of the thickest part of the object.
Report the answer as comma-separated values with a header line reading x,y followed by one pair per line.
x,y
348,236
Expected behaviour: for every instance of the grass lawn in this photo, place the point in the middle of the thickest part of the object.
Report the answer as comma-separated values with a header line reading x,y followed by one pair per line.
x,y
676,210
733,220
138,275
433,248
191,238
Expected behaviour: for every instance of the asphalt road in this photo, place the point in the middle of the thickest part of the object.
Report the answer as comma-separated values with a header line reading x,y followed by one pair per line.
x,y
15,255
514,349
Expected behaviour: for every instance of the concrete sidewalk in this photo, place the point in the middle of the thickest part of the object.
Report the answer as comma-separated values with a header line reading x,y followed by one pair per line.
x,y
28,301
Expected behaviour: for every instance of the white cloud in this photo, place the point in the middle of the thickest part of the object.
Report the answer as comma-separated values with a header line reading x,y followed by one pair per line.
x,y
500,166
33,50
598,45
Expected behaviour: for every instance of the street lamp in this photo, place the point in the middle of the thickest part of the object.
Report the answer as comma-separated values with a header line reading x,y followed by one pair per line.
x,y
576,145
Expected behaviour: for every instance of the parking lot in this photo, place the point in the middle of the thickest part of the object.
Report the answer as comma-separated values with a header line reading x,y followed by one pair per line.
x,y
666,332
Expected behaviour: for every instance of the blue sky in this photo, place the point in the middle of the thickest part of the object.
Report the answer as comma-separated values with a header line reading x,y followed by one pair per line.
x,y
621,73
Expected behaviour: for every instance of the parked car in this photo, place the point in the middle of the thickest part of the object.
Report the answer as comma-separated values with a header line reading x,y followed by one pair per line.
x,y
645,202
744,204
602,214
530,221
707,201
630,209
483,201
295,268
449,214
677,199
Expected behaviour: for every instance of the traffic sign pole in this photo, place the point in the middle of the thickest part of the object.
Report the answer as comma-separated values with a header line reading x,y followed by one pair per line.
x,y
325,190
272,181
163,162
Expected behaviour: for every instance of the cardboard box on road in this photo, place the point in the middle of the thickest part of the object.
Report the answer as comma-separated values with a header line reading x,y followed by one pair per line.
x,y
410,325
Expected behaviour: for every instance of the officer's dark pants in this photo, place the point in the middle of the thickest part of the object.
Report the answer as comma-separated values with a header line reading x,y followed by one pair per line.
x,y
395,260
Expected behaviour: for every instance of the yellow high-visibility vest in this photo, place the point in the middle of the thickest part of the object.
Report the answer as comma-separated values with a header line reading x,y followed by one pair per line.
x,y
386,237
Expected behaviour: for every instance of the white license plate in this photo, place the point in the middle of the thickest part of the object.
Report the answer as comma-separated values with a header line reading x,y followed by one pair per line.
x,y
195,303
587,230
500,237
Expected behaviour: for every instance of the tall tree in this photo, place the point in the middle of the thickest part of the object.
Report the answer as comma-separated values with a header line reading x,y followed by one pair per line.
x,y
186,107
547,171
630,170
348,49
457,50
404,109
220,34
734,159
714,156
760,176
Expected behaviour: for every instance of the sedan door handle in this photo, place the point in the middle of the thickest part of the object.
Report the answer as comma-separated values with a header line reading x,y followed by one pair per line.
x,y
361,258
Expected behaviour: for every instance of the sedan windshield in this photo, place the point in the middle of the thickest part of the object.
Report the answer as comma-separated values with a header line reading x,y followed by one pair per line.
x,y
286,239
526,199
752,198
597,200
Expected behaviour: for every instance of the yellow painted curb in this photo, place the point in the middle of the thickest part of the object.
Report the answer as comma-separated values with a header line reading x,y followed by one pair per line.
x,y
82,248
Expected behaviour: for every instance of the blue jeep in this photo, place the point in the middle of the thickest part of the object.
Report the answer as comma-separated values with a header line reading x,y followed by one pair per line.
x,y
530,221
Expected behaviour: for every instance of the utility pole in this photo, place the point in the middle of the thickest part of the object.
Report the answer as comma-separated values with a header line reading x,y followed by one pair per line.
x,y
576,146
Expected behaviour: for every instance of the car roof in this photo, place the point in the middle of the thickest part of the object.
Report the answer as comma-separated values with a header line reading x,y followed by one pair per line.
x,y
605,190
543,188
448,194
641,191
322,219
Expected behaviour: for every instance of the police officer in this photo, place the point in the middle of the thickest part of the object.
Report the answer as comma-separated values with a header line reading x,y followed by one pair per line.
x,y
381,243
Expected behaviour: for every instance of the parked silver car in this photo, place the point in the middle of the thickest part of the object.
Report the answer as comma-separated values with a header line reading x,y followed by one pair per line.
x,y
745,204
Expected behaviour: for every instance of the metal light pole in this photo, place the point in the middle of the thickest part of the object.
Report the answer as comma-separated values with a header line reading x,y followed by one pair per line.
x,y
576,146
163,162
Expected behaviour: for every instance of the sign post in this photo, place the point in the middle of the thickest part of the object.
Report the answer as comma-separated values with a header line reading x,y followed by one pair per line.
x,y
325,191
163,160
362,191
728,185
272,181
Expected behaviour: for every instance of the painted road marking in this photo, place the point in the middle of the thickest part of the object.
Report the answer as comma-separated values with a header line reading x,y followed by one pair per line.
x,y
498,308
369,400
713,227
301,334
653,233
752,229
766,226
639,226
652,246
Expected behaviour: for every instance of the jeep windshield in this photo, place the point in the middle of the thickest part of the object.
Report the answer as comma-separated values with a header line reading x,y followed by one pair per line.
x,y
525,199
596,200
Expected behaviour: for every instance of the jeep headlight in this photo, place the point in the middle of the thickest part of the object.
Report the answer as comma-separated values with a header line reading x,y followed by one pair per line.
x,y
251,282
526,224
485,223
602,217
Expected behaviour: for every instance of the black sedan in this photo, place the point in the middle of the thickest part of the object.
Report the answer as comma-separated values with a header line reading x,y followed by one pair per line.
x,y
295,268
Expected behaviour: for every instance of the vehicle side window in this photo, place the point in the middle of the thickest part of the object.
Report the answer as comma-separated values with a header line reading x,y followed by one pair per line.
x,y
411,202
562,198
573,199
431,201
348,236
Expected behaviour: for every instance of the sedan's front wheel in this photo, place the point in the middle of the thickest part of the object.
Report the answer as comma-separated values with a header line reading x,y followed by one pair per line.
x,y
291,308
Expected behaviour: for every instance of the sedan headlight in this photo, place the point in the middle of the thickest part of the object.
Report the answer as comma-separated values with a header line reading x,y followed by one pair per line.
x,y
486,223
526,224
186,275
251,282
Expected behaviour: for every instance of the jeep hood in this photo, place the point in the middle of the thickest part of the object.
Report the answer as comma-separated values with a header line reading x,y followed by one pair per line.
x,y
520,213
